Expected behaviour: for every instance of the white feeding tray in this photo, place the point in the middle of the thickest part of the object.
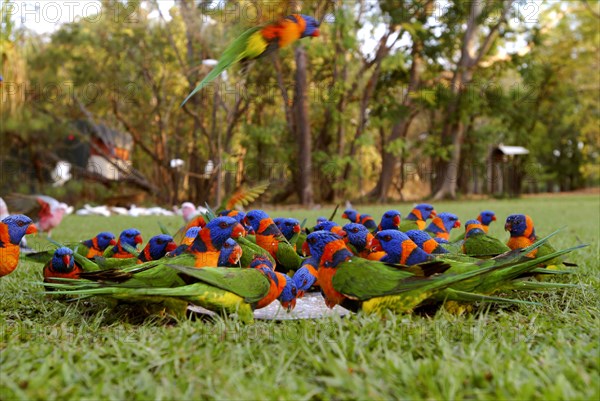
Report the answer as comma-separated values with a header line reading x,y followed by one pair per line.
x,y
311,306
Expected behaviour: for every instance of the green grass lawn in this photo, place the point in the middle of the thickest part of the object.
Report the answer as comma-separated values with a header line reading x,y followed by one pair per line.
x,y
50,349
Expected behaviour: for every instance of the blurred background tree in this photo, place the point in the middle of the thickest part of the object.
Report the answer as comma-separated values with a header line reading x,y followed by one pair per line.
x,y
398,99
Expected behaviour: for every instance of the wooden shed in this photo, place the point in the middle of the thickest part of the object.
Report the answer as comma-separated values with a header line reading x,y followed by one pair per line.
x,y
506,169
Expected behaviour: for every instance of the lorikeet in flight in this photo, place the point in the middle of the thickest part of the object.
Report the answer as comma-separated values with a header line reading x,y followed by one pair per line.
x,y
62,265
12,230
270,238
417,218
425,242
363,219
132,237
390,220
442,224
485,218
259,42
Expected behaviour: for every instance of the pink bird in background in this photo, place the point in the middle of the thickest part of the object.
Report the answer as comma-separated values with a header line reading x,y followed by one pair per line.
x,y
46,211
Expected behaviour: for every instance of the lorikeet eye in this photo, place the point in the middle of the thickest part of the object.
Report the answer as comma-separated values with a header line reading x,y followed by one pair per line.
x,y
355,230
223,225
20,223
387,238
312,241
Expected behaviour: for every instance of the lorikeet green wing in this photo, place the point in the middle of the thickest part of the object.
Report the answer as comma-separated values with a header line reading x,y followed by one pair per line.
x,y
250,251
249,284
482,245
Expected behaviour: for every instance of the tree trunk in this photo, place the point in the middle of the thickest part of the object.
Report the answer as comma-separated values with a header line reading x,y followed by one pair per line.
x,y
302,127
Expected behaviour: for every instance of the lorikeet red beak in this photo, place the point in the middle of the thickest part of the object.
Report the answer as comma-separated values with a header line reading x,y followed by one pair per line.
x,y
433,213
376,245
344,216
397,220
113,242
493,218
66,260
238,231
138,239
300,294
457,224
316,33
305,249
290,305
296,229
171,246
31,229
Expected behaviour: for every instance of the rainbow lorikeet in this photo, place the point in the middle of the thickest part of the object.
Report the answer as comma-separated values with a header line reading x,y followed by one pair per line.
x,y
522,234
230,254
330,226
259,42
62,265
156,248
131,237
442,224
218,289
425,242
469,225
97,245
270,238
289,227
390,220
478,244
12,230
359,284
358,239
505,269
190,236
485,218
306,276
417,218
289,294
363,219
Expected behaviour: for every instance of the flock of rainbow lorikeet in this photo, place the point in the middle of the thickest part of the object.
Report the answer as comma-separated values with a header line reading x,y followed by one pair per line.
x,y
231,262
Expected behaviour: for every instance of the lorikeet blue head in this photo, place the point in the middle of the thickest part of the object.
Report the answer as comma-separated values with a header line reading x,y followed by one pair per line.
x,y
473,224
131,237
259,261
474,232
288,226
62,260
399,248
425,242
288,294
230,254
330,226
520,225
17,226
328,248
444,222
422,211
311,25
236,214
358,236
306,276
157,247
321,219
222,228
255,217
486,217
390,220
103,240
351,215
191,234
